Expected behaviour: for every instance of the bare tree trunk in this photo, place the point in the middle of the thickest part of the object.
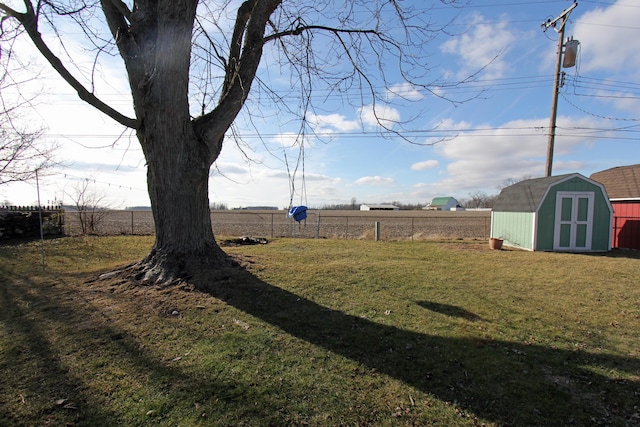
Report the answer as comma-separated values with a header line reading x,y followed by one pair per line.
x,y
179,196
178,157
178,188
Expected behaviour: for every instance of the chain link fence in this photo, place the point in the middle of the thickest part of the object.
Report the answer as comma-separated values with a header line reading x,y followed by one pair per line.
x,y
385,225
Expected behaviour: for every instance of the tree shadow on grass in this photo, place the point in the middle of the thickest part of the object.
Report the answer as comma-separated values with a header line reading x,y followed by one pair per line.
x,y
449,310
505,382
614,253
39,388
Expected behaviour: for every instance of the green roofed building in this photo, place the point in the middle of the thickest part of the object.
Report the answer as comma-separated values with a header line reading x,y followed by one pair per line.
x,y
557,213
442,204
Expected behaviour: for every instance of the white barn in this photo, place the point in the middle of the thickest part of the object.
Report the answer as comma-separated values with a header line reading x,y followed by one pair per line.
x,y
379,208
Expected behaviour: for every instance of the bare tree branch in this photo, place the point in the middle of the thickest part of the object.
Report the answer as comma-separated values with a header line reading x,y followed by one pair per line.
x,y
245,54
22,148
304,28
29,22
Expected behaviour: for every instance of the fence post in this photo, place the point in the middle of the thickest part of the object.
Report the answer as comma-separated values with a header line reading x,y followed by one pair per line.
x,y
484,237
132,223
411,228
376,231
346,228
61,220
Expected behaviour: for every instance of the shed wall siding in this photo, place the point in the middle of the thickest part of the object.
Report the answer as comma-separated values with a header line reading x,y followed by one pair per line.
x,y
629,209
546,222
602,221
626,227
514,227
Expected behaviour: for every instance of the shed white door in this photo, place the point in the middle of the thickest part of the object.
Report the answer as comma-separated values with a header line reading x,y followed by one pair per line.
x,y
574,221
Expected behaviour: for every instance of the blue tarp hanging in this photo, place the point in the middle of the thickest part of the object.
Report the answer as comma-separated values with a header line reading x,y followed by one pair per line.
x,y
298,213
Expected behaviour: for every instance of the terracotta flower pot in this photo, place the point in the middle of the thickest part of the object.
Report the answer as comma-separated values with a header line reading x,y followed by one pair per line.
x,y
495,243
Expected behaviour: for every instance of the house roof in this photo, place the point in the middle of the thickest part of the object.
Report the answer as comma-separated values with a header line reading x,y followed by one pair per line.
x,y
621,182
440,201
526,196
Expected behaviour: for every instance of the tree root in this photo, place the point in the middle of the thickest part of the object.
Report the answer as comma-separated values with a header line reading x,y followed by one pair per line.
x,y
162,269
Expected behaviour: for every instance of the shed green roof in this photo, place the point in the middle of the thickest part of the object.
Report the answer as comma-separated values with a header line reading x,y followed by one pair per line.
x,y
440,201
526,196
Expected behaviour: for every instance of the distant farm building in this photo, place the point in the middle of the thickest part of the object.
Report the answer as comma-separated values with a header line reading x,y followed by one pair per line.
x,y
557,213
443,204
379,208
257,208
623,187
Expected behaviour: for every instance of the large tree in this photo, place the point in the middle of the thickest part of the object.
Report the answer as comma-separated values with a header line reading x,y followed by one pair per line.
x,y
175,51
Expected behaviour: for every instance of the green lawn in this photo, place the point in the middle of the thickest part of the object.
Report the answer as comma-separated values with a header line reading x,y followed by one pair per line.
x,y
323,333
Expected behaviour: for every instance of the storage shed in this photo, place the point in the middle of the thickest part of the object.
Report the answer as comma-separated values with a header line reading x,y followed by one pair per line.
x,y
557,213
623,187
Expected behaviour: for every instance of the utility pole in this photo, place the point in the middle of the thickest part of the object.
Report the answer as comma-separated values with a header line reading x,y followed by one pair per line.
x,y
558,24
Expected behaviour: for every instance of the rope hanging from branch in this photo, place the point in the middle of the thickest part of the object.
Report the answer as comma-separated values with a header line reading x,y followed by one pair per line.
x,y
299,212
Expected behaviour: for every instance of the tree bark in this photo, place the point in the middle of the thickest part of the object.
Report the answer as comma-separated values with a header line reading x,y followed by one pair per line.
x,y
178,158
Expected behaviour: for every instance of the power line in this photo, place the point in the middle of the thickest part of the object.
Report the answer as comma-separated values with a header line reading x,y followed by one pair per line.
x,y
479,85
597,115
497,131
96,181
604,3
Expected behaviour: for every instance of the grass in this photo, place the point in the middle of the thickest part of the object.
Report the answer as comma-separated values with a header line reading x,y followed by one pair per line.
x,y
324,332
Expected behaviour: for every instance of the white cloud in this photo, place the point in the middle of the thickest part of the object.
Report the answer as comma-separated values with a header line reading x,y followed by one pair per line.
x,y
447,127
607,38
379,115
405,91
478,47
332,121
224,169
374,180
292,140
487,157
426,165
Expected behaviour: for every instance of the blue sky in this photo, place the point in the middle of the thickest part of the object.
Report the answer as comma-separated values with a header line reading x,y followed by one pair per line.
x,y
454,150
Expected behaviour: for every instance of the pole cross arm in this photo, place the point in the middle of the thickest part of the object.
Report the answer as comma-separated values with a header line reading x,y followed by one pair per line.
x,y
563,16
